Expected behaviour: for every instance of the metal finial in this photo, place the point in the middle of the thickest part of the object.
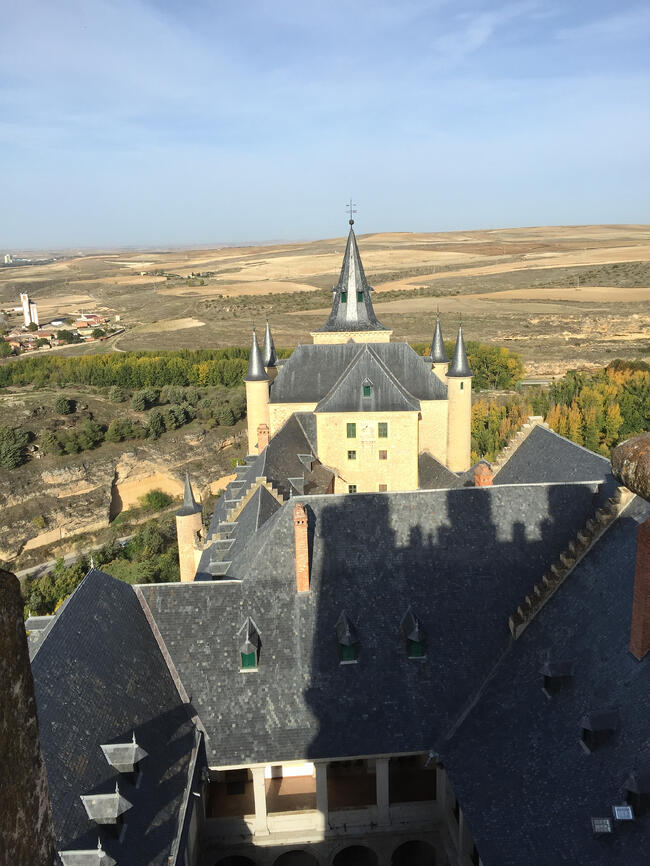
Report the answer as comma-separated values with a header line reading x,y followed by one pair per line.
x,y
351,208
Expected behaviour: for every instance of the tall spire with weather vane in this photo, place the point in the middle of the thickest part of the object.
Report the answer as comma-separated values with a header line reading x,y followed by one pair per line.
x,y
352,309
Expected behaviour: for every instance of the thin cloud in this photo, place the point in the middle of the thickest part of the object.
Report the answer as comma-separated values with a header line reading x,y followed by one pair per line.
x,y
633,24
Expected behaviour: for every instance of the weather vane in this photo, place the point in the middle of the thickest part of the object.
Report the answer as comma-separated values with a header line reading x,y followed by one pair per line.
x,y
351,208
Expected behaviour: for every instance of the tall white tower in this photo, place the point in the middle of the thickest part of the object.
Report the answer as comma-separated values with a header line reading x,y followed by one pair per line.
x,y
24,300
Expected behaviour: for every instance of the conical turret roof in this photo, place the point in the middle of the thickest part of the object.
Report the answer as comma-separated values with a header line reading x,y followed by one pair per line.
x,y
438,353
351,304
256,371
269,358
459,367
190,505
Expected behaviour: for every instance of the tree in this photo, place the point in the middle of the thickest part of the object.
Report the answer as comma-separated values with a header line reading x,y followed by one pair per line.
x,y
117,394
5,349
90,435
155,424
64,406
226,416
49,443
41,342
13,445
155,500
32,326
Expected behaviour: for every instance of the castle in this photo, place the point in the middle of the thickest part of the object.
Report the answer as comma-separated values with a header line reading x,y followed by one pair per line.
x,y
371,660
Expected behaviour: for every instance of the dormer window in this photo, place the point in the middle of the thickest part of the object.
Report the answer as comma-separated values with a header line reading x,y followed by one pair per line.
x,y
249,650
557,675
366,388
413,634
346,637
598,728
359,297
344,297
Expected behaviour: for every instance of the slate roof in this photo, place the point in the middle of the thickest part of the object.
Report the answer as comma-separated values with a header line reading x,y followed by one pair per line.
x,y
372,556
99,676
349,313
548,457
527,788
255,371
459,366
312,371
434,475
269,358
438,351
386,392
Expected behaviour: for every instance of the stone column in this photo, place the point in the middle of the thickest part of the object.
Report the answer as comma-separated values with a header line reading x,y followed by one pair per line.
x,y
259,792
383,791
322,819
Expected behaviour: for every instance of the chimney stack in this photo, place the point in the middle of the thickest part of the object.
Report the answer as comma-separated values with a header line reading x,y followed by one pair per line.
x,y
640,631
483,475
300,524
262,437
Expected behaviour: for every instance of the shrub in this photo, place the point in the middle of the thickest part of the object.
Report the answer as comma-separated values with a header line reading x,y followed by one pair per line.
x,y
155,500
49,443
13,445
64,405
155,424
117,394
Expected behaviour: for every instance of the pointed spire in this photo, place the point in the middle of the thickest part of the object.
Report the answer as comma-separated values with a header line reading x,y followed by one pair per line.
x,y
459,367
190,505
256,371
438,353
269,358
351,304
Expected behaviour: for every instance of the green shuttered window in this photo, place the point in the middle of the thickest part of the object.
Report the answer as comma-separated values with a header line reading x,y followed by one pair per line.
x,y
352,430
382,430
249,660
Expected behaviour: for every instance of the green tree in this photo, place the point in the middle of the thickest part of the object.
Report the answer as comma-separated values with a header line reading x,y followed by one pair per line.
x,y
90,435
5,349
155,500
64,405
155,424
226,416
117,394
41,342
139,401
13,447
32,326
49,443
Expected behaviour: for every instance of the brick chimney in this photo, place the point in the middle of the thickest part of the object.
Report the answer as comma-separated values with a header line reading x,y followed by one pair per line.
x,y
640,631
262,437
483,475
302,547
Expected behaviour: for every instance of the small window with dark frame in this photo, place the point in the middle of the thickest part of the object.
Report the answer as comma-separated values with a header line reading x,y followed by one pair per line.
x,y
352,488
367,390
462,386
351,430
359,297
383,455
382,430
557,675
598,728
249,650
346,637
413,634
352,455
344,297
383,488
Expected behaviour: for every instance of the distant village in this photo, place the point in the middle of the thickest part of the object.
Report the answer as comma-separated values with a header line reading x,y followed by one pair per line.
x,y
62,330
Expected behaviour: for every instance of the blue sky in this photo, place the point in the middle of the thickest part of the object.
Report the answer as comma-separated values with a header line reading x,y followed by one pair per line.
x,y
125,122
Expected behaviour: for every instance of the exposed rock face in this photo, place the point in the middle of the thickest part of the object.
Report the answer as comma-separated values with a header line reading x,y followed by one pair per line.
x,y
26,834
631,464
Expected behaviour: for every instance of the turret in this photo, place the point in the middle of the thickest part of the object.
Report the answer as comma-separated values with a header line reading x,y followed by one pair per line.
x,y
352,316
257,395
269,358
459,393
439,359
189,529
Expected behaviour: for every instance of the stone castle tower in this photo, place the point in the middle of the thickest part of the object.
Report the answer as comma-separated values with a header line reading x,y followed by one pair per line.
x,y
189,532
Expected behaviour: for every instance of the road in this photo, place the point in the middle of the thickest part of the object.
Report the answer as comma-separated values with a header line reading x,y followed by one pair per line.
x,y
68,559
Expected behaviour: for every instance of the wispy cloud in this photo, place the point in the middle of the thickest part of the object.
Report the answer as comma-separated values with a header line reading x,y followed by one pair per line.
x,y
629,24
477,29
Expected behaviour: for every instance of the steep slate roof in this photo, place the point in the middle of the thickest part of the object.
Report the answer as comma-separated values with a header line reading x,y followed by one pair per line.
x,y
434,475
190,505
546,456
269,358
255,371
349,313
311,371
527,788
373,556
386,393
99,676
459,366
438,351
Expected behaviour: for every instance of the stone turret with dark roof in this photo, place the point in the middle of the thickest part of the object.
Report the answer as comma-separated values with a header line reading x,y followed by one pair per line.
x,y
256,371
269,358
459,367
438,352
351,304
190,505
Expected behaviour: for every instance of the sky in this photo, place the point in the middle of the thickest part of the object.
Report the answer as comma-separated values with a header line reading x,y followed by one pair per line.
x,y
180,122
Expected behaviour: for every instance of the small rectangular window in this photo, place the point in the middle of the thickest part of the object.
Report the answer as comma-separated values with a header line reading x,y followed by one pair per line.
x,y
383,455
352,488
352,430
348,653
383,488
249,660
382,430
367,390
352,455
344,297
462,385
359,296
416,649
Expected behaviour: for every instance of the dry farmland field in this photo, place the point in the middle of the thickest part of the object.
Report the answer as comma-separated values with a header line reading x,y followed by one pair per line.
x,y
562,296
